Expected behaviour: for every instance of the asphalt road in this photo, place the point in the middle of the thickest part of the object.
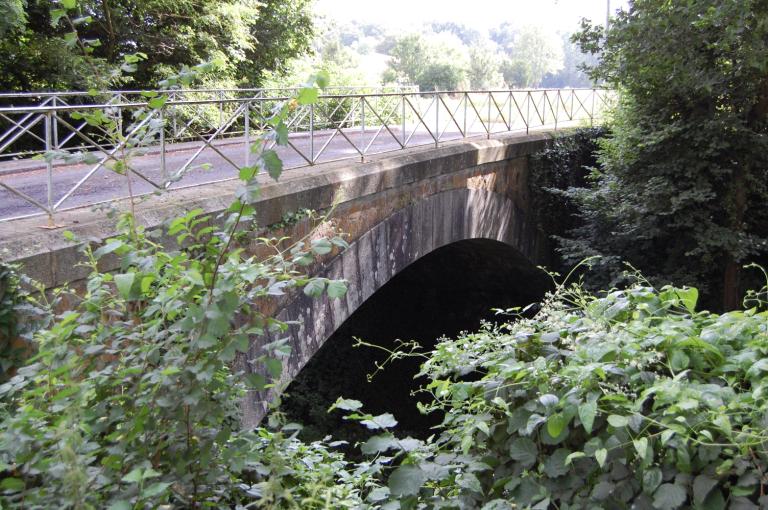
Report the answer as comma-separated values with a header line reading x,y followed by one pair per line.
x,y
30,176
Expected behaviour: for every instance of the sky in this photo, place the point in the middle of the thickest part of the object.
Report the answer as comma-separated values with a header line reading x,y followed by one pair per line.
x,y
559,15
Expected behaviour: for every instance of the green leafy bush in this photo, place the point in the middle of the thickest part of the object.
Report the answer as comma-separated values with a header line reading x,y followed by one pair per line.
x,y
132,399
633,399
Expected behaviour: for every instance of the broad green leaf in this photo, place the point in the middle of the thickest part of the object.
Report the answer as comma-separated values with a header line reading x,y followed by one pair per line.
x,y
134,476
549,400
307,95
523,450
669,496
124,283
558,463
618,421
378,444
256,381
406,481
702,486
321,246
107,248
587,413
69,4
382,421
600,455
194,276
315,287
56,15
281,132
273,163
120,505
274,367
158,102
652,478
641,445
346,404
470,482
336,289
247,173
555,424
689,297
679,360
322,78
155,489
12,484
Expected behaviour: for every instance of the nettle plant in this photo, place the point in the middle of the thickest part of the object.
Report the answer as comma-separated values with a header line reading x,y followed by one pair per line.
x,y
132,399
629,400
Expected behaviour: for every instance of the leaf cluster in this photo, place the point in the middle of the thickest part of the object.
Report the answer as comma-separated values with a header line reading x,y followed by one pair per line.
x,y
133,396
629,400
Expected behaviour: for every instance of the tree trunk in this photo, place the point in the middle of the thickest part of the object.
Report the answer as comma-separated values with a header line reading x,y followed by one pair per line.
x,y
732,275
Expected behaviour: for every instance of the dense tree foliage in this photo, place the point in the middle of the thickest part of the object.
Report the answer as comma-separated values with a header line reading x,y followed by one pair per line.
x,y
240,36
683,181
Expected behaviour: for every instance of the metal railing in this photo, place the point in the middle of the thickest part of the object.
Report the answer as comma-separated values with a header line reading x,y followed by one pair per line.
x,y
51,159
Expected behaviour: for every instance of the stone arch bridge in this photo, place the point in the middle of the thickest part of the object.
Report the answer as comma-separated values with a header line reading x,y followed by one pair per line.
x,y
396,209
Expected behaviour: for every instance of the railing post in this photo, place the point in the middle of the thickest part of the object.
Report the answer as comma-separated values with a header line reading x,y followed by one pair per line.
x,y
247,132
556,112
362,127
311,134
221,108
163,166
488,126
55,127
49,166
437,118
509,114
174,130
528,113
466,102
403,98
592,110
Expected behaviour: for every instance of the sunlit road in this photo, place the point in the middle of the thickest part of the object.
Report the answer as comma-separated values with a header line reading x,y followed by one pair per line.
x,y
30,177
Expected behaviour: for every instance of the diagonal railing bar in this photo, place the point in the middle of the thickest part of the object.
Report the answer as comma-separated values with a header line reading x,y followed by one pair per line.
x,y
340,130
452,116
21,121
61,143
565,106
26,197
21,132
109,155
581,106
336,130
479,115
19,125
383,126
498,109
206,143
535,105
548,101
420,121
519,109
506,106
209,143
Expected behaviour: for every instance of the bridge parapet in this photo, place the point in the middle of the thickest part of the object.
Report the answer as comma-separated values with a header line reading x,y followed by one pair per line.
x,y
179,139
395,208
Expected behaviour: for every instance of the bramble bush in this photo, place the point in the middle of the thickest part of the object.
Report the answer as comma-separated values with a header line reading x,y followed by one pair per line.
x,y
132,397
629,400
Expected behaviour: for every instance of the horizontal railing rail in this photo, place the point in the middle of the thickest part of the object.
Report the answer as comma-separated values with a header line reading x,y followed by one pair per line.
x,y
53,159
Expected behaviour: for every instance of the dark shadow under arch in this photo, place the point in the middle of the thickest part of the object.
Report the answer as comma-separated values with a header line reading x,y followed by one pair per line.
x,y
443,293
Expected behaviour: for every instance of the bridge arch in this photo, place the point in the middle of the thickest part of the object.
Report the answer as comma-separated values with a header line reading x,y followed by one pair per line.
x,y
466,218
